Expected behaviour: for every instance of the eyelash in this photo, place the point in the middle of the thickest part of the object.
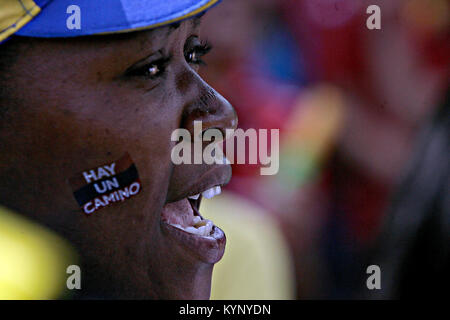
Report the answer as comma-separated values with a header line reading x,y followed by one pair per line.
x,y
202,49
199,50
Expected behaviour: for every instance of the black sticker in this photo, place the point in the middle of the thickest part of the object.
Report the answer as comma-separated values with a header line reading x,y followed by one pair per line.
x,y
105,185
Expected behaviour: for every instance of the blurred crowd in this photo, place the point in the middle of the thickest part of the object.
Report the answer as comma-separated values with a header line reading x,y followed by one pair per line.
x,y
349,103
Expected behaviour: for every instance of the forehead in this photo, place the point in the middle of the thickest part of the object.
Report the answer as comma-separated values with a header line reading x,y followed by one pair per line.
x,y
147,37
107,54
119,48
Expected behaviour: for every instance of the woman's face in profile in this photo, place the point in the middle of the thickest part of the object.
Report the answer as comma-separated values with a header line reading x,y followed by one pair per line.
x,y
77,104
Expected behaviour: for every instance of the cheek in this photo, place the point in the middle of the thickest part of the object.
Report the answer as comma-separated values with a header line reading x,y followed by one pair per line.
x,y
65,134
141,125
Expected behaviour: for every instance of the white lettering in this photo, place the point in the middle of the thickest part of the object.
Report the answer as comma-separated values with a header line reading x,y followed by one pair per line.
x,y
374,20
374,281
89,176
74,20
74,280
86,209
111,168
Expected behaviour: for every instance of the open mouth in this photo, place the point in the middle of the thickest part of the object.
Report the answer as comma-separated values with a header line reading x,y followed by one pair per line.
x,y
183,221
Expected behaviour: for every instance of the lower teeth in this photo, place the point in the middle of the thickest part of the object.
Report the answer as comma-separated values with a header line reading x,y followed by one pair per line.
x,y
196,220
204,227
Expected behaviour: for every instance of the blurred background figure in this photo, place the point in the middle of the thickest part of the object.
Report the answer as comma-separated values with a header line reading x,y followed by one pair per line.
x,y
349,103
414,246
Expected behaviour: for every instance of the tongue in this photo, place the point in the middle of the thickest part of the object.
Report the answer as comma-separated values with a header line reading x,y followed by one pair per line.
x,y
179,212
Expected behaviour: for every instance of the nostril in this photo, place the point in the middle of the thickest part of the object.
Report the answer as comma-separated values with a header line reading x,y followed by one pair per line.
x,y
211,130
212,110
199,113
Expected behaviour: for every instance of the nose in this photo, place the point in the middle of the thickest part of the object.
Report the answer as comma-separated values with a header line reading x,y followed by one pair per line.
x,y
208,106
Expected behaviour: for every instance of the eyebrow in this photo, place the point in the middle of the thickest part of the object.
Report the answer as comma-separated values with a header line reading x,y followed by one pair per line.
x,y
198,19
194,21
157,32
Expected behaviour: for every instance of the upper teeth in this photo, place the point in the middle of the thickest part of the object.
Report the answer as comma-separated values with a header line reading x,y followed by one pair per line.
x,y
208,194
214,191
196,220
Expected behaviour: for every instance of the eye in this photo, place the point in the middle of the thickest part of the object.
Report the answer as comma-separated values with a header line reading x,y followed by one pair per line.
x,y
195,50
151,70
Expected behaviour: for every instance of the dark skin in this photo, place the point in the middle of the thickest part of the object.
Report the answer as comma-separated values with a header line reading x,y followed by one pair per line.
x,y
73,105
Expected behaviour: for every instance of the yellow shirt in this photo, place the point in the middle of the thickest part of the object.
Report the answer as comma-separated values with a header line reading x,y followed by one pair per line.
x,y
33,260
256,263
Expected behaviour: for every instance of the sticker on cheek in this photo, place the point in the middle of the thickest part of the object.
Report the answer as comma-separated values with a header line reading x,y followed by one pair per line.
x,y
106,185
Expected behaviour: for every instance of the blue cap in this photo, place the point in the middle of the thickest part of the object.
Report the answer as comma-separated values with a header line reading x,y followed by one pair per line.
x,y
73,18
